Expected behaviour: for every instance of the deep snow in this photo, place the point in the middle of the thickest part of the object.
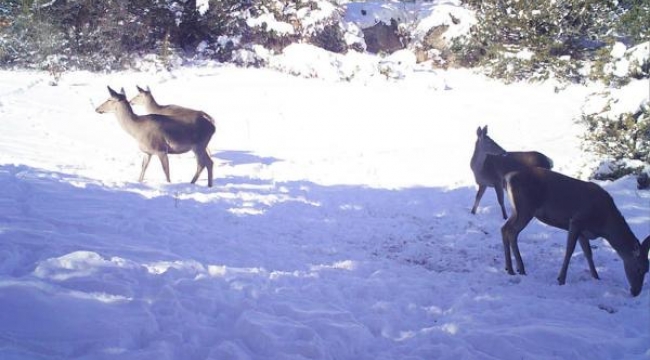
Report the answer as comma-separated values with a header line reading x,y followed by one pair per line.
x,y
338,226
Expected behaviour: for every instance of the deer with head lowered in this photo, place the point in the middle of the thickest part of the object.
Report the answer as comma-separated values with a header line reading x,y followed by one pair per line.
x,y
485,146
161,135
582,208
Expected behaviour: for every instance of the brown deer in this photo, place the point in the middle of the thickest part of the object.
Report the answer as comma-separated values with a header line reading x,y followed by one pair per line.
x,y
582,208
485,145
145,98
161,135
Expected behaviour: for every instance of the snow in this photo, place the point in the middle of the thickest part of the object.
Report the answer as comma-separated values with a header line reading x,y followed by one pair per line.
x,y
618,50
338,226
422,16
311,17
629,61
268,21
313,62
202,6
443,13
617,101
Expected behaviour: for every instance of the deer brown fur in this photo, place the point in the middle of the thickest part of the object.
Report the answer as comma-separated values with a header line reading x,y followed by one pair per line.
x,y
145,98
582,208
487,177
161,135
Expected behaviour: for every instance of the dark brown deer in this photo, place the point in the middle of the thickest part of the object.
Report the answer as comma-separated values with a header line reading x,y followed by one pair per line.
x,y
161,135
582,208
482,148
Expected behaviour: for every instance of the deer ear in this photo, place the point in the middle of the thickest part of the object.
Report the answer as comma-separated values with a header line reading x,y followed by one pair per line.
x,y
485,130
479,131
139,88
645,247
111,91
148,89
123,92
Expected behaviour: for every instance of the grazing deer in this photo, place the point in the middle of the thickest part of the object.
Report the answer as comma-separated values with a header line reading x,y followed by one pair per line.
x,y
582,208
161,135
146,99
485,145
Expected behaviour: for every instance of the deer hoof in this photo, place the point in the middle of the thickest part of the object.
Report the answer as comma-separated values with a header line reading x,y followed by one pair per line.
x,y
560,281
510,272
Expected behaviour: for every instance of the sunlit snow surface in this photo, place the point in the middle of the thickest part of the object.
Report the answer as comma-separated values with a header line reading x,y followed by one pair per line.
x,y
338,226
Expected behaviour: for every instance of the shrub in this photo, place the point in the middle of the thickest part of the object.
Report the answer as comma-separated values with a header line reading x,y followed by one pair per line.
x,y
625,140
635,20
330,38
561,35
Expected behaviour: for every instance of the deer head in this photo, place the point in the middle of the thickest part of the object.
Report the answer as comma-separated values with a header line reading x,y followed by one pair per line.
x,y
143,97
485,145
636,266
110,105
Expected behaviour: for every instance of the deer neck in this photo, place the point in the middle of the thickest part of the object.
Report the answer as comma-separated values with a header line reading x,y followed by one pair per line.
x,y
480,154
127,118
621,237
153,107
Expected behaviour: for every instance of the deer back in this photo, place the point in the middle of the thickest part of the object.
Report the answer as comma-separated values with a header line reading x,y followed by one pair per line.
x,y
556,199
531,159
184,114
496,167
146,99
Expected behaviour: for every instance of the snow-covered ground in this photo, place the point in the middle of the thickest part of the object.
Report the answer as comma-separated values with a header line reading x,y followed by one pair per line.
x,y
338,226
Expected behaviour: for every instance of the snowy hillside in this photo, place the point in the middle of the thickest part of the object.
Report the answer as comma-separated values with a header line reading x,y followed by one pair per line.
x,y
338,226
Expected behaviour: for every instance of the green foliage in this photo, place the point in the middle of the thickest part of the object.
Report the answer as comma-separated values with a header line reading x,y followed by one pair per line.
x,y
111,34
624,142
635,20
562,35
561,38
627,137
102,35
35,40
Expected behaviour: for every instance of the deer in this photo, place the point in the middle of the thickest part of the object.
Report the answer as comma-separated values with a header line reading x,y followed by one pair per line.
x,y
145,98
584,209
484,178
162,135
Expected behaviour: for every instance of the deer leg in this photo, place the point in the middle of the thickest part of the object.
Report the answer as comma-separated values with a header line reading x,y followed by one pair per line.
x,y
203,160
510,232
145,164
520,263
499,190
164,161
505,237
572,239
209,164
586,249
199,167
479,195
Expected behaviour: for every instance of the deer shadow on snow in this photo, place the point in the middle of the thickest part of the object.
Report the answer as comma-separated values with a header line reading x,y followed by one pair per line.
x,y
429,227
255,224
242,157
49,212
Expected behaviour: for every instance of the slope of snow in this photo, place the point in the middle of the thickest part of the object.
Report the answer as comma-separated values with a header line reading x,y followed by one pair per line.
x,y
338,226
